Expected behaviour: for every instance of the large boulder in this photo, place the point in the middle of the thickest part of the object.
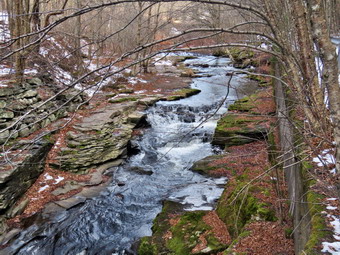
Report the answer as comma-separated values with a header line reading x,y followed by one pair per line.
x,y
98,138
21,174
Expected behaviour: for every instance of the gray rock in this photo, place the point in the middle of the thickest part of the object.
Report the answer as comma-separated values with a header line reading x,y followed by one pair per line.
x,y
6,114
3,137
52,117
69,186
9,236
148,101
140,170
28,94
24,130
35,81
2,104
135,117
7,92
45,123
14,211
96,179
22,175
70,202
52,209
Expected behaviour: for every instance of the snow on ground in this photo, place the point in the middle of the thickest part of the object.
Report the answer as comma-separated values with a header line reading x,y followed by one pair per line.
x,y
59,179
43,188
140,92
5,70
333,247
135,80
326,158
48,177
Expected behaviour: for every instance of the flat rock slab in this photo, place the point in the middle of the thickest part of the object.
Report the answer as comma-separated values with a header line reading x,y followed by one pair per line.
x,y
98,120
70,202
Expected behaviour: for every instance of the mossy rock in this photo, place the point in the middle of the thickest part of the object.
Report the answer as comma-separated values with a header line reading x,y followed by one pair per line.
x,y
203,166
318,224
145,247
262,81
122,99
238,129
182,235
241,57
245,104
259,103
183,93
237,208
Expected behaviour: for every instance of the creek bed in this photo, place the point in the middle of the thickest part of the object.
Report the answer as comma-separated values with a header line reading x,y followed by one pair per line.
x,y
180,134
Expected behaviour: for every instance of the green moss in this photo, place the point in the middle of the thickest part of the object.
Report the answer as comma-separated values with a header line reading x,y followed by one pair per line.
x,y
146,247
315,209
288,233
318,224
237,209
235,129
48,138
203,166
123,99
186,233
243,105
111,95
183,93
232,121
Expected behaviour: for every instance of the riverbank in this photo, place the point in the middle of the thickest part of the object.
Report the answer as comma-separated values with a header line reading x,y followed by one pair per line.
x,y
251,217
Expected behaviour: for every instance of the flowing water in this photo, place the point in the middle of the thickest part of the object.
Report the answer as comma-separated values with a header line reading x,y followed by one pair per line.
x,y
179,135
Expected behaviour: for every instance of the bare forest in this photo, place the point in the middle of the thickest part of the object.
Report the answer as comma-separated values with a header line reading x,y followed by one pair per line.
x,y
79,70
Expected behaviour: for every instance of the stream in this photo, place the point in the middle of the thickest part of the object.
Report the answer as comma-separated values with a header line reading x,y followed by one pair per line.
x,y
179,135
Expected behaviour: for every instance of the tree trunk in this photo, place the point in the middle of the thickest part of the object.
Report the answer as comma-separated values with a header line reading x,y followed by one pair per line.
x,y
330,69
311,87
18,30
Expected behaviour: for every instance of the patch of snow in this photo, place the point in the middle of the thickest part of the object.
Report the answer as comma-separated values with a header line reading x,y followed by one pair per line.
x,y
48,177
31,71
4,17
90,65
333,247
331,207
140,92
43,188
59,179
174,31
43,51
264,46
5,70
163,63
53,40
135,80
63,76
325,158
